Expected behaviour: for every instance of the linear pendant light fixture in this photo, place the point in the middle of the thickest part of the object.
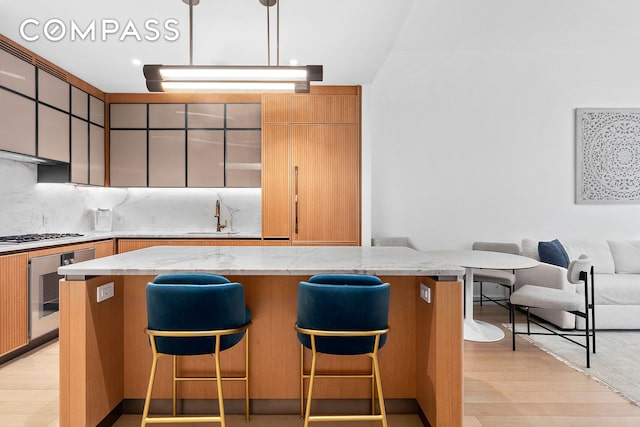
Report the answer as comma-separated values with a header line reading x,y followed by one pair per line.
x,y
231,78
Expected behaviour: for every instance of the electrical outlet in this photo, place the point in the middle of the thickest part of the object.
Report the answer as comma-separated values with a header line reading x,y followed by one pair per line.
x,y
105,291
425,292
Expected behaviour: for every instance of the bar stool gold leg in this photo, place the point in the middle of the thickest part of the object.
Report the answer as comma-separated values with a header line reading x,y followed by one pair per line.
x,y
312,375
246,373
301,381
376,371
373,390
219,382
152,377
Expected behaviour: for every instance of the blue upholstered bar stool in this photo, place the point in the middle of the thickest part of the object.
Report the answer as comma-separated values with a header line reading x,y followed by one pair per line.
x,y
194,314
343,314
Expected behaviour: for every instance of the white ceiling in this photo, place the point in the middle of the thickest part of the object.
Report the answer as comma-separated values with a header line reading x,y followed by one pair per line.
x,y
350,38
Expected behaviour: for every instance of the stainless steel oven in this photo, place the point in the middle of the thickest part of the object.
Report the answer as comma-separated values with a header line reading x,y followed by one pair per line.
x,y
44,289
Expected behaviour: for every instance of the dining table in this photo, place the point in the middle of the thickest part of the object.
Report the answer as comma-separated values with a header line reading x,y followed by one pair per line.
x,y
476,330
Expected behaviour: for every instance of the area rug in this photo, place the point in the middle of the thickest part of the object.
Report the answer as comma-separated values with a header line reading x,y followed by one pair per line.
x,y
616,363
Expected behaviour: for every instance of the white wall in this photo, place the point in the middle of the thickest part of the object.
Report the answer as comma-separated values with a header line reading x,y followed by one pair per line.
x,y
472,119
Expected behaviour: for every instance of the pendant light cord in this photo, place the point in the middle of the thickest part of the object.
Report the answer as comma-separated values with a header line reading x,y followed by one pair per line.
x,y
268,5
191,32
268,38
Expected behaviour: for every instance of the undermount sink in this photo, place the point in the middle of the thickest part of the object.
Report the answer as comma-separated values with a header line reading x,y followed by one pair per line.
x,y
219,233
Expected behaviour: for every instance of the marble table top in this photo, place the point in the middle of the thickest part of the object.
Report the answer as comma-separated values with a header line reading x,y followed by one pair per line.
x,y
267,260
483,259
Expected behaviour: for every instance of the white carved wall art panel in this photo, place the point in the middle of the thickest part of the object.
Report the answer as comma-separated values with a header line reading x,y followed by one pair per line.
x,y
607,155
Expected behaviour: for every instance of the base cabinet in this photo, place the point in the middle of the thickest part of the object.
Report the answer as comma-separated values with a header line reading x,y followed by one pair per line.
x,y
14,323
14,291
103,248
105,356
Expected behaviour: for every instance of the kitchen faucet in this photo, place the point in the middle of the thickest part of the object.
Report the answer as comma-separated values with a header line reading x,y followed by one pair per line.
x,y
219,226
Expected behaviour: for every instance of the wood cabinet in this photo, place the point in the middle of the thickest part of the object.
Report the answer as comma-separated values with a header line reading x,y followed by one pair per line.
x,y
276,218
307,108
311,167
103,248
14,291
325,159
14,294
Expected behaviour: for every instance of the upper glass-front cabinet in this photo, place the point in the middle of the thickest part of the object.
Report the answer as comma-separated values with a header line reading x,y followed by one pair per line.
x,y
192,145
17,105
17,75
79,103
17,123
243,165
243,116
205,116
43,115
166,116
53,91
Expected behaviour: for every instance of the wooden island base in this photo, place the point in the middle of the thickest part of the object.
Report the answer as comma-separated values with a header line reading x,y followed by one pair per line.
x,y
105,358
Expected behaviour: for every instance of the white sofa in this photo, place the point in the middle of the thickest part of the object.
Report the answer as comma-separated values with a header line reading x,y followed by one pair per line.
x,y
617,282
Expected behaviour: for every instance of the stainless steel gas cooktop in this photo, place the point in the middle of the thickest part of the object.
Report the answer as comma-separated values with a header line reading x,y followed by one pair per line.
x,y
26,238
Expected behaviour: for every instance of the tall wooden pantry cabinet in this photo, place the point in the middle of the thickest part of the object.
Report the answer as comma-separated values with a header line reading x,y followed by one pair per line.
x,y
311,166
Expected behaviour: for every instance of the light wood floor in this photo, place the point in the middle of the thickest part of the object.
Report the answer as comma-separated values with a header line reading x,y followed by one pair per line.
x,y
29,389
502,388
529,387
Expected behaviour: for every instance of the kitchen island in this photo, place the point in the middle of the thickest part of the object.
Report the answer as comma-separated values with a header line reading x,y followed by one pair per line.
x,y
105,357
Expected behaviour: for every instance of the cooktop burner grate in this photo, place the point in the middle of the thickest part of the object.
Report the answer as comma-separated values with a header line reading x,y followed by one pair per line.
x,y
26,238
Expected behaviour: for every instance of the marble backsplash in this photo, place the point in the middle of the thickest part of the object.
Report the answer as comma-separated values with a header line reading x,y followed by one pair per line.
x,y
29,207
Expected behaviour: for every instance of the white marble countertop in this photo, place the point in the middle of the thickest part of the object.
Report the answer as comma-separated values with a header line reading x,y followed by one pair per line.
x,y
483,259
266,260
91,236
25,247
167,234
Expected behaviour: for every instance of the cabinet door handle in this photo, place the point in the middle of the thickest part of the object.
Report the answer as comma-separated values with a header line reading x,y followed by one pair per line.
x,y
296,199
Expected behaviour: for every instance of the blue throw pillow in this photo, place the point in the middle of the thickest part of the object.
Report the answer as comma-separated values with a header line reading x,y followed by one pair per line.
x,y
553,253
